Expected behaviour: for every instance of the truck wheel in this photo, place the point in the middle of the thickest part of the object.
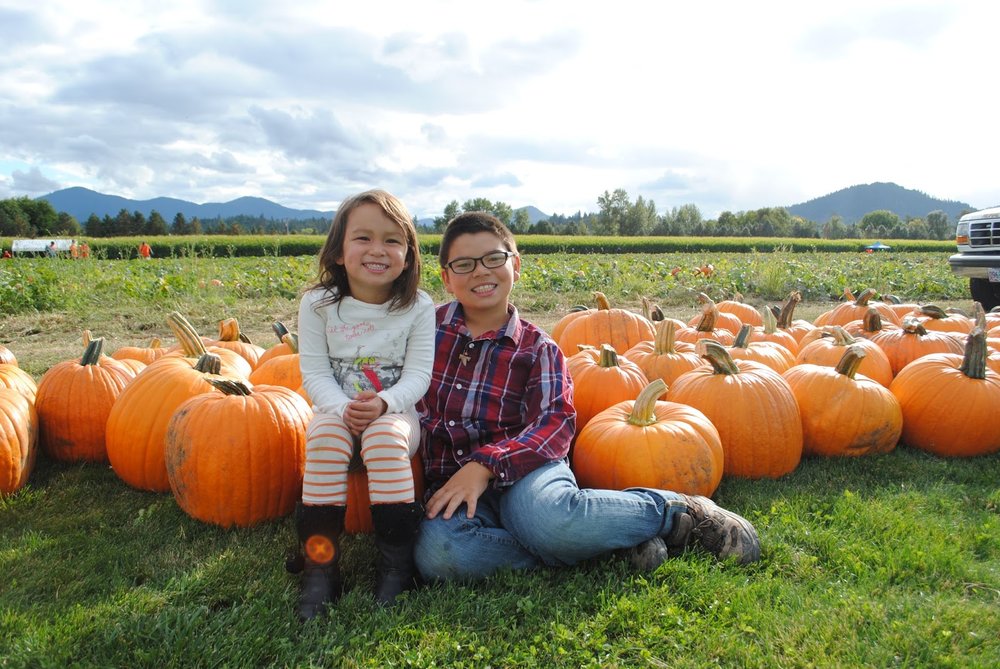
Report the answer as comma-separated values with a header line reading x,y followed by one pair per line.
x,y
984,292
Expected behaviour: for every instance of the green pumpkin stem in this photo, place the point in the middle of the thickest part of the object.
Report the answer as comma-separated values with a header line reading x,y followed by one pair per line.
x,y
609,356
292,340
742,336
644,409
279,330
92,354
718,356
191,343
663,343
864,297
974,359
851,360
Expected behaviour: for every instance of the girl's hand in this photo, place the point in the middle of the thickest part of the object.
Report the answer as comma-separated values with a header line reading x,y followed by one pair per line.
x,y
466,485
365,408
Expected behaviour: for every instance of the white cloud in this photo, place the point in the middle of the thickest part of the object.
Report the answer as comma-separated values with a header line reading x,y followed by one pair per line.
x,y
726,105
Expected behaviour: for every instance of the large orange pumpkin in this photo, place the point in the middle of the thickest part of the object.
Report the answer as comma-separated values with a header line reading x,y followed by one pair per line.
x,y
138,420
601,378
751,406
620,328
843,412
828,351
936,319
948,400
746,313
650,444
73,403
18,440
913,341
844,313
768,353
237,457
769,332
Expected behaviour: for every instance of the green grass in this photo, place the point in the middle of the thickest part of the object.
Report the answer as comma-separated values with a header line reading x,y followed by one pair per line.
x,y
883,561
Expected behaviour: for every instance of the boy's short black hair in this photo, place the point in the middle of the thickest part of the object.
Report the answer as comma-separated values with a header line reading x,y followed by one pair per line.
x,y
470,223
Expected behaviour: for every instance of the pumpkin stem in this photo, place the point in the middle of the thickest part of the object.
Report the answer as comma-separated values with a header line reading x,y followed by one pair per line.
x,y
279,330
788,310
602,300
208,363
232,386
229,330
709,314
872,321
851,360
92,354
644,408
979,315
663,343
864,297
742,336
718,356
609,356
188,337
933,311
86,338
892,299
840,336
770,322
155,342
913,326
291,340
974,360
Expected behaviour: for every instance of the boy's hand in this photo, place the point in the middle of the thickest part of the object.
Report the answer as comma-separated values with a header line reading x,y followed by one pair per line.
x,y
466,486
365,408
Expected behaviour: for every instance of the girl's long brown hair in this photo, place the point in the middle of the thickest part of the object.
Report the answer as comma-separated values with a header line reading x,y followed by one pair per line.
x,y
333,276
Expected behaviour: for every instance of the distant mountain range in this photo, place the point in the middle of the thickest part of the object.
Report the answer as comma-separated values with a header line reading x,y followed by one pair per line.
x,y
851,204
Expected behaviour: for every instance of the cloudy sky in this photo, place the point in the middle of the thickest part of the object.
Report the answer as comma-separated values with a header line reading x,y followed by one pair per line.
x,y
727,105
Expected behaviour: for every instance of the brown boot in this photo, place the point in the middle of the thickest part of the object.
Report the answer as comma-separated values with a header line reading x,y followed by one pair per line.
x,y
722,533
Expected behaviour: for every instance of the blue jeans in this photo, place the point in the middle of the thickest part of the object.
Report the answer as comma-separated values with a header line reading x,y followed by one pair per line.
x,y
543,519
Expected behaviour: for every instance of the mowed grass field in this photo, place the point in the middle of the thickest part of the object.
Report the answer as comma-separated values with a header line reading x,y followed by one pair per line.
x,y
892,560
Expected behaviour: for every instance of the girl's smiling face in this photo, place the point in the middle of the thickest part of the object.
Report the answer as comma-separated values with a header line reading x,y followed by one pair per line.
x,y
373,254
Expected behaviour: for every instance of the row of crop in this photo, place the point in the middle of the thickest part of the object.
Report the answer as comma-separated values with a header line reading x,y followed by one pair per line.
x,y
220,246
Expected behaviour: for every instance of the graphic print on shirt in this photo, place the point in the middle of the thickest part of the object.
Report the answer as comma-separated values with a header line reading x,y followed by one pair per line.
x,y
364,371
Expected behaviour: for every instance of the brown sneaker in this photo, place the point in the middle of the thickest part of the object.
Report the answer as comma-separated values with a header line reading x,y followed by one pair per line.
x,y
722,533
649,555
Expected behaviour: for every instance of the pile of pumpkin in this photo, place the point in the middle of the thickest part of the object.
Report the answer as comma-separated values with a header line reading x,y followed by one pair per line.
x,y
738,391
219,422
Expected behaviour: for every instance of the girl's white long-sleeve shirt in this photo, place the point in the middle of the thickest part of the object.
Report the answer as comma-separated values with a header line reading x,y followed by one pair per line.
x,y
351,346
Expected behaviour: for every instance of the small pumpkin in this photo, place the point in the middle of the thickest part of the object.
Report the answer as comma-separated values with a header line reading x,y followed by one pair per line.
x,y
664,357
601,378
236,457
146,354
650,444
73,403
844,413
283,347
18,440
358,517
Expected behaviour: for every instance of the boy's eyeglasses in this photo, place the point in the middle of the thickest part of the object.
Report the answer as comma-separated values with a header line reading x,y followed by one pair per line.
x,y
491,260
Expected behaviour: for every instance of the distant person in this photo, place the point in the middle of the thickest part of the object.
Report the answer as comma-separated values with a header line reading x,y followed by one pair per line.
x,y
145,251
50,250
84,249
6,253
74,250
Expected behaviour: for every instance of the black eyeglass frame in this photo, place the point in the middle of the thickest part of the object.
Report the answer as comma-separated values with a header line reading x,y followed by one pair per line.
x,y
481,260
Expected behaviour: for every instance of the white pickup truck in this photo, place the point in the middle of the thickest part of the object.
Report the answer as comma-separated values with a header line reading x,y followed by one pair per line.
x,y
37,247
978,257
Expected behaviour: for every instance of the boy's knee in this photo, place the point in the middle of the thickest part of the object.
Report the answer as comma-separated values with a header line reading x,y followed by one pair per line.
x,y
433,552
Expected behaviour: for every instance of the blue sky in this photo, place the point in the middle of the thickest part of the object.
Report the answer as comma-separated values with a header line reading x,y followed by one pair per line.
x,y
726,105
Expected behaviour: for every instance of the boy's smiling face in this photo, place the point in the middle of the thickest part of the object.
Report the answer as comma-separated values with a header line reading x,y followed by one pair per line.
x,y
484,291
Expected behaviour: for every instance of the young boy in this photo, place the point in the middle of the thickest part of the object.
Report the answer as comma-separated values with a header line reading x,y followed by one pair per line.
x,y
497,424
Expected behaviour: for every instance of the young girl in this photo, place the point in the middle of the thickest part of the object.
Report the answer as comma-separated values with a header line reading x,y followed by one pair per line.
x,y
366,345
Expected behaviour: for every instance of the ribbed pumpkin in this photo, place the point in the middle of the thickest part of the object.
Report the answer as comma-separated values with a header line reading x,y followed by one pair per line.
x,y
829,350
620,328
280,370
650,444
746,313
869,326
15,378
664,358
358,518
237,457
7,357
769,332
601,378
767,353
722,319
576,312
230,337
948,401
844,313
138,420
706,327
73,403
191,345
936,319
145,354
18,440
913,341
283,347
844,413
751,406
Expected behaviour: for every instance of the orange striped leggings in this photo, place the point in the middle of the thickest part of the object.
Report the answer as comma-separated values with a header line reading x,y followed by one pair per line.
x,y
386,448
